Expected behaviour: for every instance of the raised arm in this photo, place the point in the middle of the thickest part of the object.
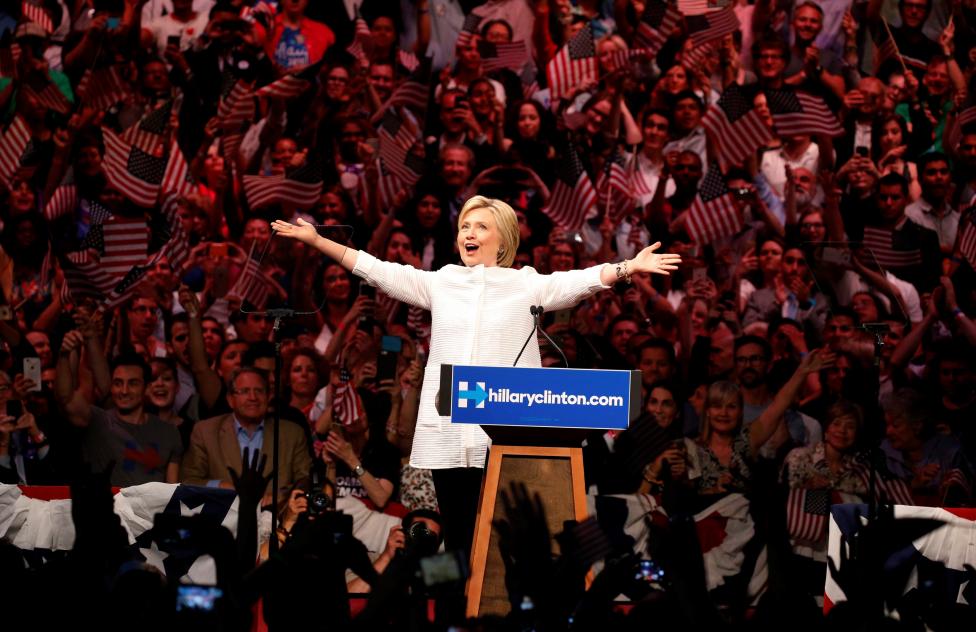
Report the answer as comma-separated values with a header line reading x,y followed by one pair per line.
x,y
306,233
647,260
69,397
206,379
764,427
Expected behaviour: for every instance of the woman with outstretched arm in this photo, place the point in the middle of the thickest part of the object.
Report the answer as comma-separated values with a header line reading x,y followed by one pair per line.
x,y
480,316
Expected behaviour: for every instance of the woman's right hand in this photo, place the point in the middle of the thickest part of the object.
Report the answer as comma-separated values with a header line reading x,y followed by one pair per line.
x,y
303,232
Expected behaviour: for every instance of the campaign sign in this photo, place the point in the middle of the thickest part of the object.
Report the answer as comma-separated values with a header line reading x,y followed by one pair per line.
x,y
547,398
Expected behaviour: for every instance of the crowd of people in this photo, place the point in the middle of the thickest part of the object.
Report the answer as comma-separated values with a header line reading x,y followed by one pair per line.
x,y
813,347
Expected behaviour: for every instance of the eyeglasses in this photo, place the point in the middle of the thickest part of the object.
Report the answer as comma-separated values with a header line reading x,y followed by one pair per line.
x,y
844,328
180,338
753,359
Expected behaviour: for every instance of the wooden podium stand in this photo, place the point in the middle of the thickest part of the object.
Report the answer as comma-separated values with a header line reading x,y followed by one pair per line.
x,y
536,443
555,472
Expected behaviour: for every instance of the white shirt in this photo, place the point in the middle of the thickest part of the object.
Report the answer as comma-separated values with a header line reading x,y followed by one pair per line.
x,y
774,163
480,316
695,141
850,283
188,32
944,224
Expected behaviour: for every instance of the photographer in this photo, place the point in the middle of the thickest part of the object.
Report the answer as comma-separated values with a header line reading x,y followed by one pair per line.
x,y
419,534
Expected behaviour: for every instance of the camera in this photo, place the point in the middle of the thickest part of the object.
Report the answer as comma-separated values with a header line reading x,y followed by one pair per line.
x,y
319,503
420,539
742,193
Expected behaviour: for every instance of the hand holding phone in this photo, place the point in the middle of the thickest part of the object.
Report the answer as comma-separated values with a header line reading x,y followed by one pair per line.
x,y
32,372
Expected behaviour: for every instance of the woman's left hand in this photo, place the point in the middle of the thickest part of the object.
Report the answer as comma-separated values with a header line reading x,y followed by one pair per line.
x,y
338,447
649,261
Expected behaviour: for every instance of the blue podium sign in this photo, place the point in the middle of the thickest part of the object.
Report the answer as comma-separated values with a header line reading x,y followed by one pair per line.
x,y
540,398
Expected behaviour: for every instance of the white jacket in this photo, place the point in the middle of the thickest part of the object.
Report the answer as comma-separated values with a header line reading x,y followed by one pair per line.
x,y
480,316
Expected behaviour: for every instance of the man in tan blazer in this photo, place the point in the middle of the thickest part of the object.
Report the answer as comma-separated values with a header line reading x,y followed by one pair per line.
x,y
219,442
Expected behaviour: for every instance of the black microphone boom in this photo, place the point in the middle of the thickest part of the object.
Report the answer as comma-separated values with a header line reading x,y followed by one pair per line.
x,y
537,311
551,341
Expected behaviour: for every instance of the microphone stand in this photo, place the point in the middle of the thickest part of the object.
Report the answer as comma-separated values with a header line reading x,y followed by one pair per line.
x,y
878,330
551,341
277,315
535,311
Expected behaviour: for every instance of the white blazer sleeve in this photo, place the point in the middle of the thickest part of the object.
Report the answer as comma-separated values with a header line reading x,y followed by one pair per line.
x,y
402,282
562,290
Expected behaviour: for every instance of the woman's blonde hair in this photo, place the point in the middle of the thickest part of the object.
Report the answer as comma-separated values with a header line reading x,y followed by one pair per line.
x,y
505,219
718,393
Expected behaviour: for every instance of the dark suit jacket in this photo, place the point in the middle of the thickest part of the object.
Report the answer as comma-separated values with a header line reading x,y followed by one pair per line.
x,y
214,448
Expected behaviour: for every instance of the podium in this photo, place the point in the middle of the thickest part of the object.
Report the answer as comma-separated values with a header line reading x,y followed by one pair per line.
x,y
537,420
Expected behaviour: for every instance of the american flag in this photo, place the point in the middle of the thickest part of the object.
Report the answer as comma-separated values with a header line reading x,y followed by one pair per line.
x,y
411,93
287,87
967,238
713,213
573,196
149,134
37,15
693,7
84,277
418,322
408,60
574,64
347,406
237,106
396,139
176,249
102,88
9,56
966,117
884,46
887,487
126,286
48,94
301,187
13,144
121,242
63,201
798,113
620,58
511,55
177,178
881,244
132,171
807,512
360,42
734,127
694,58
615,188
656,25
468,29
292,84
254,285
388,185
709,27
